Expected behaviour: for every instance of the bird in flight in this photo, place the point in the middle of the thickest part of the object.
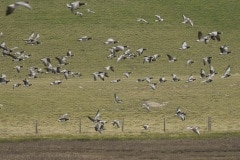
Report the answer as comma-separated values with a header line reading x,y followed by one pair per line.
x,y
13,6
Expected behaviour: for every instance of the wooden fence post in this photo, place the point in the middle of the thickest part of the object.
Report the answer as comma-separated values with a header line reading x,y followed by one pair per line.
x,y
122,124
80,126
36,127
164,124
209,125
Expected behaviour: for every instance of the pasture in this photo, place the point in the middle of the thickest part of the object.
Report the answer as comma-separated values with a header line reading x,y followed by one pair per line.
x,y
80,97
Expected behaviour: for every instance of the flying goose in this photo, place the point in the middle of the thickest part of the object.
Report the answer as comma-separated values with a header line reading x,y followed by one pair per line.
x,y
202,73
140,51
227,72
207,60
33,40
3,79
46,61
56,82
153,85
110,41
15,85
116,123
162,79
99,127
215,35
96,117
84,38
116,80
224,50
195,129
180,114
145,126
146,106
69,53
63,118
18,68
171,58
117,99
90,11
119,48
61,60
212,71
12,7
107,68
189,62
142,20
127,74
100,75
26,82
79,13
204,39
187,20
190,79
175,78
209,78
75,5
158,18
184,46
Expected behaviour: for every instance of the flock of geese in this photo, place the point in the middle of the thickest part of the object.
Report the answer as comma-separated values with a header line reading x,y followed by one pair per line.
x,y
126,53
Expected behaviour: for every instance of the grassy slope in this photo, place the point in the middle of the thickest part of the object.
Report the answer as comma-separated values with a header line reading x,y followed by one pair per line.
x,y
59,31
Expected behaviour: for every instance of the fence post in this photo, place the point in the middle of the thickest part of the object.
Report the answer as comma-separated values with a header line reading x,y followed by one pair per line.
x,y
36,127
209,124
164,124
80,126
122,124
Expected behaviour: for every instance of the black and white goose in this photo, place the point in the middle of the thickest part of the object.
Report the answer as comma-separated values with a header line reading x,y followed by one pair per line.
x,y
117,99
110,41
204,39
224,50
100,75
99,127
184,46
107,68
12,7
18,68
75,5
62,60
142,20
189,62
162,79
175,78
158,18
56,82
195,129
180,114
187,20
16,85
116,80
116,123
95,119
190,79
203,73
140,51
146,106
227,72
145,126
3,79
215,35
33,40
63,118
207,60
127,74
26,83
153,86
84,38
171,58
69,53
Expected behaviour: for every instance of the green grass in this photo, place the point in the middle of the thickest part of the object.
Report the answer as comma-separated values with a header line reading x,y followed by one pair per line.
x,y
59,30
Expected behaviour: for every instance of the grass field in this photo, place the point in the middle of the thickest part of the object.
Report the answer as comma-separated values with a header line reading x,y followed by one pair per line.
x,y
80,97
